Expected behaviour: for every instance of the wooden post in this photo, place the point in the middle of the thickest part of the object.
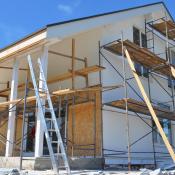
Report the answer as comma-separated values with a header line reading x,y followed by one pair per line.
x,y
8,86
73,63
86,78
86,65
149,105
73,87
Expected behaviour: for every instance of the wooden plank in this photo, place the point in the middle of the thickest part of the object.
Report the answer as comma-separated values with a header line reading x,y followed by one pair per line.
x,y
161,27
29,99
149,105
10,68
141,107
90,89
65,55
172,71
20,87
62,77
142,56
68,75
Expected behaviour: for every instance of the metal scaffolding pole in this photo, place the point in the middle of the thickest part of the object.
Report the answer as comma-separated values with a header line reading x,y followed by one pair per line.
x,y
24,117
169,60
126,103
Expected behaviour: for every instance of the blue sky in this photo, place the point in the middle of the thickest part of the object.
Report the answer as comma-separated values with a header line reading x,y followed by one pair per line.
x,y
21,17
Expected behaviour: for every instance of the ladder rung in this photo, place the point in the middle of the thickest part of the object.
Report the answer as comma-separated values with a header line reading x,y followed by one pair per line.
x,y
49,109
55,142
61,167
59,154
51,130
49,119
44,119
41,80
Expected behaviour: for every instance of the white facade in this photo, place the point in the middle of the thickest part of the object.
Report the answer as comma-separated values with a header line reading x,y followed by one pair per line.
x,y
104,29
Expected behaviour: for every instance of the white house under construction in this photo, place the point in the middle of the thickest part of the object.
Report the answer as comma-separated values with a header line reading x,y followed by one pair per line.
x,y
110,98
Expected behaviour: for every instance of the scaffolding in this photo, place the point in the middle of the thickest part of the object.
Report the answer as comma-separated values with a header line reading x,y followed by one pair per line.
x,y
62,100
157,67
147,57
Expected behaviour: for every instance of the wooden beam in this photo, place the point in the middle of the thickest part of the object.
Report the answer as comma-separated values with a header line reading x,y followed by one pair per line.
x,y
20,87
62,77
59,92
172,71
65,55
5,67
73,63
150,107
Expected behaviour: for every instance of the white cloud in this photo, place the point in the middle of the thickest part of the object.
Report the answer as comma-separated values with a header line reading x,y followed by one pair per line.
x,y
65,8
69,8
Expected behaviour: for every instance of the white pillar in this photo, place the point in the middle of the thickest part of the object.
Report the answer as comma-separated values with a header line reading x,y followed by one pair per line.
x,y
39,136
12,112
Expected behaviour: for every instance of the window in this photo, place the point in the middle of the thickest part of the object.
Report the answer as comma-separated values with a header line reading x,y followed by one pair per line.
x,y
166,125
140,39
173,57
144,40
171,83
136,36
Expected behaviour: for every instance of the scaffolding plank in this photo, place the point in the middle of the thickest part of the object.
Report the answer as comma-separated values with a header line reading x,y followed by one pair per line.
x,y
6,91
142,56
161,27
150,107
58,93
141,107
68,75
90,89
65,76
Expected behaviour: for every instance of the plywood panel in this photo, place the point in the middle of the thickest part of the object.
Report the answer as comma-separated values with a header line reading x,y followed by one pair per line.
x,y
86,129
3,133
18,135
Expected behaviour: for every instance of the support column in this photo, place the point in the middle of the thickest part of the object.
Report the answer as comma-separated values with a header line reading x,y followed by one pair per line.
x,y
39,136
12,112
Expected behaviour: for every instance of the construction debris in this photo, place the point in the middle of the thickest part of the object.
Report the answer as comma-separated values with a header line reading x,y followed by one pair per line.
x,y
157,172
5,171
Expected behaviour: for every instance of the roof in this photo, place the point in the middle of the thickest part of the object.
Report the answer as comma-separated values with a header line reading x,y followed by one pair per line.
x,y
109,13
84,18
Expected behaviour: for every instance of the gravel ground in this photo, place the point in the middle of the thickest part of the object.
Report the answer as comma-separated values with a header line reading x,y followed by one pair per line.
x,y
83,172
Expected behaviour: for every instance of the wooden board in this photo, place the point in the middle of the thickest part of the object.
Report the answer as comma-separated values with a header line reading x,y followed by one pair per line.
x,y
86,132
161,27
18,135
68,75
150,107
141,107
142,56
62,77
3,133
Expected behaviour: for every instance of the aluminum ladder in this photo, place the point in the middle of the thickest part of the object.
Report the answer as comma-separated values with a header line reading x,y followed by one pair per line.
x,y
45,95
